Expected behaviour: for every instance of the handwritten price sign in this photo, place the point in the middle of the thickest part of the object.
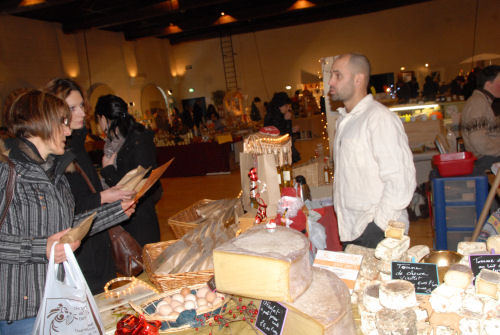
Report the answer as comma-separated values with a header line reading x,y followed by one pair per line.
x,y
271,317
479,262
423,275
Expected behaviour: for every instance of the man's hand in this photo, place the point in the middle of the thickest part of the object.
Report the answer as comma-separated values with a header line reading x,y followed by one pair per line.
x,y
115,193
128,207
59,253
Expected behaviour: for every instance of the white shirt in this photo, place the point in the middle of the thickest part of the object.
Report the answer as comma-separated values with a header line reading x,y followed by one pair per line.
x,y
374,169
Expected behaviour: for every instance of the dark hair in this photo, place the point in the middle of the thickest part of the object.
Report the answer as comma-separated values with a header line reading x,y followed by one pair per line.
x,y
37,113
115,110
279,99
489,73
256,99
62,87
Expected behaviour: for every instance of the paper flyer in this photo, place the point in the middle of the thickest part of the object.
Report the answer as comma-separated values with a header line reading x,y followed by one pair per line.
x,y
345,266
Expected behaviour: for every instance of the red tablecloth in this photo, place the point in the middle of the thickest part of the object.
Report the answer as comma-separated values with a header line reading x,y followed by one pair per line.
x,y
329,221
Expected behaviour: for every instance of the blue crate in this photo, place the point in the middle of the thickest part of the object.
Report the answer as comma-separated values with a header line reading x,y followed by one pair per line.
x,y
469,192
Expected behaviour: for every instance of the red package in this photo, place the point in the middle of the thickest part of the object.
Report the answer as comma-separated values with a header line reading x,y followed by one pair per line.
x,y
133,325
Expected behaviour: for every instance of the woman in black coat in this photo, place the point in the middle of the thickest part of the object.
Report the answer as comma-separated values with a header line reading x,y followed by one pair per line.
x,y
94,256
279,114
128,145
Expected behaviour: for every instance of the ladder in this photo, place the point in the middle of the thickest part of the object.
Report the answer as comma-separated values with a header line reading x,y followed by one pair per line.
x,y
226,46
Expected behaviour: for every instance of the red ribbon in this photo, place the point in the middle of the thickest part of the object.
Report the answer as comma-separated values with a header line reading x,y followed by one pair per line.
x,y
133,325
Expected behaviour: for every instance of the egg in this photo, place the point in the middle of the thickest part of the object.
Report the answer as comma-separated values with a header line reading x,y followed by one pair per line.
x,y
185,291
189,305
178,297
202,292
201,302
173,315
175,303
164,310
190,297
210,297
161,303
179,309
167,299
217,301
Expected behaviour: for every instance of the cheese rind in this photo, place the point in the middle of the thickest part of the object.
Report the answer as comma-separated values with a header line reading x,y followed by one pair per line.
x,y
458,275
446,299
466,248
390,249
260,264
416,253
371,300
397,294
395,229
493,244
488,283
401,322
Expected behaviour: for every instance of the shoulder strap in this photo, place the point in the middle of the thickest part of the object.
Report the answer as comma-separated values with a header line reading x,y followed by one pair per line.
x,y
84,175
9,192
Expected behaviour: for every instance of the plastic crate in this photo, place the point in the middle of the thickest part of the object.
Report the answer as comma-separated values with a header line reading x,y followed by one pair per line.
x,y
455,236
454,164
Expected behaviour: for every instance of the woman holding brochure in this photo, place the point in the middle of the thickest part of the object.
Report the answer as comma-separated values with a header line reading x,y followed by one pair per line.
x,y
94,255
41,208
128,145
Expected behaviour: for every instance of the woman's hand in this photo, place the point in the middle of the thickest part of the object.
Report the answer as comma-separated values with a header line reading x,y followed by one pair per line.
x,y
288,115
108,160
128,207
59,253
115,193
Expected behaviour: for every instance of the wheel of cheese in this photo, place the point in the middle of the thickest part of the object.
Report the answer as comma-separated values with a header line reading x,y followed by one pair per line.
x,y
397,294
466,248
401,322
458,275
493,243
416,253
390,249
488,283
446,299
371,298
265,265
395,230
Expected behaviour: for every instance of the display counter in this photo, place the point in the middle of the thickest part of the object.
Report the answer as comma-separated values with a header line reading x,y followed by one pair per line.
x,y
197,159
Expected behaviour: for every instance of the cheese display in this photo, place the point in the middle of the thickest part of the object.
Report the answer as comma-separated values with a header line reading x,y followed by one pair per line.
x,y
488,283
397,294
493,244
401,322
324,308
395,229
459,276
469,248
390,249
446,298
265,265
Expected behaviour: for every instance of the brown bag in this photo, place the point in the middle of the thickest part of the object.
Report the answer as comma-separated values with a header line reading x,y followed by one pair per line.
x,y
127,252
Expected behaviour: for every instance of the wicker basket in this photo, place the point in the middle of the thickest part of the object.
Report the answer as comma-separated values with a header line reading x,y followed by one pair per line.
x,y
186,219
145,308
167,282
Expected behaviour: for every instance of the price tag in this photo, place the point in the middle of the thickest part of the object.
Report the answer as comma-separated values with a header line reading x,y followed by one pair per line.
x,y
479,262
271,317
423,275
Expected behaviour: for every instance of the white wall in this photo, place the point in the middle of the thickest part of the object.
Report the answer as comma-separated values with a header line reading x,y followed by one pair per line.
x,y
438,32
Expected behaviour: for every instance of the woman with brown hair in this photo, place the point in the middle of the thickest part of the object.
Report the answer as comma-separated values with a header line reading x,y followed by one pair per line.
x,y
94,256
41,208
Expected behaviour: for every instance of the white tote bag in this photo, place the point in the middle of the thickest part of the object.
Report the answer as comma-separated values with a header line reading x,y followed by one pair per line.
x,y
67,307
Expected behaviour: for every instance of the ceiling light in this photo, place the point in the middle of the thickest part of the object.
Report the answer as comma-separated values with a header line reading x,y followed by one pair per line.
x,y
403,68
426,64
301,4
222,13
191,90
288,87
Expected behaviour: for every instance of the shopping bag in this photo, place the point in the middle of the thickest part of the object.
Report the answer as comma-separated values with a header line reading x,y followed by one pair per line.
x,y
67,307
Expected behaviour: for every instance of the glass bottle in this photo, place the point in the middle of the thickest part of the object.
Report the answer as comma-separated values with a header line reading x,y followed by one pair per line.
x,y
287,174
326,171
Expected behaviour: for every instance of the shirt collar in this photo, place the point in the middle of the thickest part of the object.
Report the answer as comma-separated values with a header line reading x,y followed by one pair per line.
x,y
359,108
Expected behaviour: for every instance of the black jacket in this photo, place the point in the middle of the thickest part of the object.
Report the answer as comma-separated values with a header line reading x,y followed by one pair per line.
x,y
94,255
138,149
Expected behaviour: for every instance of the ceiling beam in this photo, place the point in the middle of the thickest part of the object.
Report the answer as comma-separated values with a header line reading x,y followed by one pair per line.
x,y
14,6
153,11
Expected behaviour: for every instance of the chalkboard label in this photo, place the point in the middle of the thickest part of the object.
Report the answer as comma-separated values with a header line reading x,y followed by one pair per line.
x,y
423,275
479,262
271,317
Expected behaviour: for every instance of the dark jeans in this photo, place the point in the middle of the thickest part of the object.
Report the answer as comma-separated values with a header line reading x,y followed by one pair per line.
x,y
370,237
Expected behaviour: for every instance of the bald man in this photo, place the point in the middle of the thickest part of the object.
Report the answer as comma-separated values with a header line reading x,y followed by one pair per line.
x,y
374,170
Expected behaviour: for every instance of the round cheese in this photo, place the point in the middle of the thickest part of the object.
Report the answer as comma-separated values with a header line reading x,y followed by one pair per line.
x,y
401,322
458,275
371,298
493,244
397,294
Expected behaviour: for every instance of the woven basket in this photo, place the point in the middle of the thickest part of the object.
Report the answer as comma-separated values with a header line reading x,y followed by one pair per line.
x,y
143,309
169,281
186,219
